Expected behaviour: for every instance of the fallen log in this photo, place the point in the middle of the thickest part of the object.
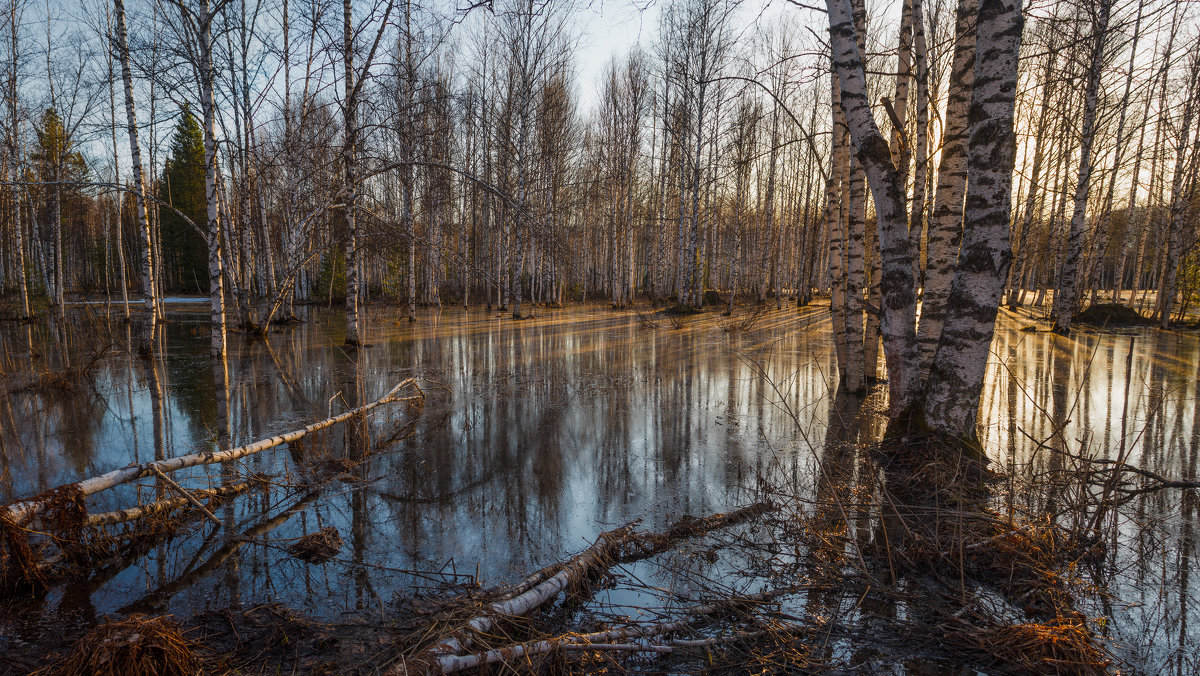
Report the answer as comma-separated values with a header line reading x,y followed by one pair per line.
x,y
161,506
185,495
610,548
646,545
23,512
600,640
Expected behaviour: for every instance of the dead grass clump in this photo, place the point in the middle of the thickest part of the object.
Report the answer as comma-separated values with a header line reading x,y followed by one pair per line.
x,y
66,514
50,382
317,547
423,619
136,646
1112,314
711,297
681,310
1052,648
18,565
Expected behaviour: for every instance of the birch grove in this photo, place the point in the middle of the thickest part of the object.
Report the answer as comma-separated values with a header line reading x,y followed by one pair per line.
x,y
383,151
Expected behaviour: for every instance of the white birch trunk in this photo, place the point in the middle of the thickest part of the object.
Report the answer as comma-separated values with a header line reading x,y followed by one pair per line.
x,y
216,284
945,229
1067,293
350,132
956,374
899,302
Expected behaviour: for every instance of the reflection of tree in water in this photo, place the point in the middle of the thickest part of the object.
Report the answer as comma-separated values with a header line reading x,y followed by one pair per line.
x,y
539,433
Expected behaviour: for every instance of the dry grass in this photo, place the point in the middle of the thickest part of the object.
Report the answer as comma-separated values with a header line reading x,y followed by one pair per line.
x,y
135,646
1052,648
19,570
317,547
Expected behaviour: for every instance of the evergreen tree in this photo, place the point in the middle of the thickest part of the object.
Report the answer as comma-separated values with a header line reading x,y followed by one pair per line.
x,y
182,185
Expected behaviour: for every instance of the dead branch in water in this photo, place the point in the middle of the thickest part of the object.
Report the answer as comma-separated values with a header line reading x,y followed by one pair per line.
x,y
162,506
619,545
605,640
23,512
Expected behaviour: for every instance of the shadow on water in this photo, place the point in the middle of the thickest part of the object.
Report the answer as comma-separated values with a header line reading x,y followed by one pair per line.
x,y
538,434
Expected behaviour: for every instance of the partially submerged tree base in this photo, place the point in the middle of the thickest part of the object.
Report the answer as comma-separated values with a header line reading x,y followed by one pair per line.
x,y
982,589
909,446
318,546
907,435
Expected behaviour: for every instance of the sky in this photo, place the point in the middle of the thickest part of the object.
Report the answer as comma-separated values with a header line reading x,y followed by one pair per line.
x,y
610,28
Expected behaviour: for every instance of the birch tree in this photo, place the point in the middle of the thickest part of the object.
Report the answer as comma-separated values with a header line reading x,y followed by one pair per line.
x,y
948,402
1065,298
141,214
956,375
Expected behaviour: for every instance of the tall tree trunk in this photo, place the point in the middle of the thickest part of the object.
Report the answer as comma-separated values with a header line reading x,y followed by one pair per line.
x,y
1182,192
1100,241
1031,196
899,302
147,263
112,110
945,230
216,284
1066,296
350,138
956,375
921,174
14,149
836,211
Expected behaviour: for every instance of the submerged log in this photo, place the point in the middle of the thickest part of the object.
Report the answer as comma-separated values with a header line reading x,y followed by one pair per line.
x,y
615,546
23,512
162,506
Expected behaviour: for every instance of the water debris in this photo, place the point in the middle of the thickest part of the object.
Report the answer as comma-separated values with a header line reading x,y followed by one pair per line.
x,y
19,570
681,310
575,576
21,512
317,547
712,297
1055,647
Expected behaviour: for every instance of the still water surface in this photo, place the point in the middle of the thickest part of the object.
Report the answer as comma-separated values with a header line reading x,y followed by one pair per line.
x,y
538,434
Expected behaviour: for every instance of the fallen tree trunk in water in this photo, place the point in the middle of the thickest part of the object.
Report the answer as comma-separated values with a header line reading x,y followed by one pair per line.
x,y
615,546
161,506
21,513
604,640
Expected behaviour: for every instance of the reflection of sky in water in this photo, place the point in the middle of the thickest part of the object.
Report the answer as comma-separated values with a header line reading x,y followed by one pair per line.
x,y
538,434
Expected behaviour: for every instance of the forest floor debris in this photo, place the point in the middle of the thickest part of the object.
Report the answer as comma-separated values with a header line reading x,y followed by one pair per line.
x,y
134,646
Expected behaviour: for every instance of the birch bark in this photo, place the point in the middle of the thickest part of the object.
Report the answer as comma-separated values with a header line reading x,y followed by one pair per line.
x,y
956,375
1066,296
945,230
14,149
216,285
899,302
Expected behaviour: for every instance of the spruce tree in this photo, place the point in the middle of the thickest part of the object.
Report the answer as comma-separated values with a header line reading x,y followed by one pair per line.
x,y
182,186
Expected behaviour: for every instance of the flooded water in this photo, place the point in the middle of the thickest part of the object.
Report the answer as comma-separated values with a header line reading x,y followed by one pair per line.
x,y
538,434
